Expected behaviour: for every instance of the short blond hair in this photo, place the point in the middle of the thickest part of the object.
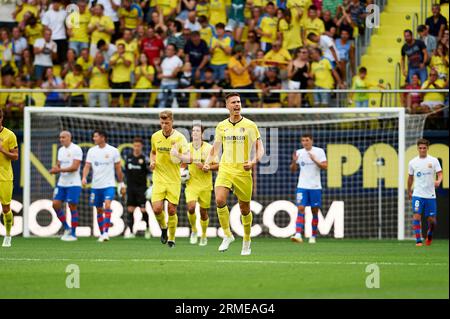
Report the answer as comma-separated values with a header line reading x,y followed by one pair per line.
x,y
164,115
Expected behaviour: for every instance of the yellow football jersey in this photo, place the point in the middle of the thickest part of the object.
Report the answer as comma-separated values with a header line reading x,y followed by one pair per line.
x,y
199,179
106,23
79,22
237,143
71,80
9,142
167,168
120,72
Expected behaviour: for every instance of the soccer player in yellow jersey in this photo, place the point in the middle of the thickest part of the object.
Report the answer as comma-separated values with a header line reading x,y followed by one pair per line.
x,y
200,184
238,136
8,152
169,149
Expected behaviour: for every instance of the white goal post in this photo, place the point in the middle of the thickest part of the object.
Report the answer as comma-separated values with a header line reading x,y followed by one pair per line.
x,y
362,128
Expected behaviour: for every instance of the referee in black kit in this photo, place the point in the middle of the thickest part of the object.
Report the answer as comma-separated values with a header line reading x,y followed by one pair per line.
x,y
136,172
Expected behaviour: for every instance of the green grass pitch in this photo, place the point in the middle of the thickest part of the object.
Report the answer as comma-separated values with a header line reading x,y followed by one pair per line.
x,y
277,268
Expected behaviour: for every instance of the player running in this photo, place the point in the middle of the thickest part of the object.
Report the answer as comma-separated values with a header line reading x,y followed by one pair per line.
x,y
200,184
8,152
68,188
311,160
104,160
136,172
424,169
169,149
239,136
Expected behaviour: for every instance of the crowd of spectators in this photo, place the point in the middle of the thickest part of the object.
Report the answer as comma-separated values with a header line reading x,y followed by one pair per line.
x,y
202,44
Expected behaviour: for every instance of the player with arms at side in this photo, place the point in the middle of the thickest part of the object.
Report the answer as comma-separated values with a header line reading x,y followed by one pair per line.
x,y
104,160
169,149
68,188
136,172
9,151
422,171
239,137
200,184
311,160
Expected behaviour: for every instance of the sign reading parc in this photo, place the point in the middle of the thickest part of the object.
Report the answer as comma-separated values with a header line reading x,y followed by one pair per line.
x,y
334,219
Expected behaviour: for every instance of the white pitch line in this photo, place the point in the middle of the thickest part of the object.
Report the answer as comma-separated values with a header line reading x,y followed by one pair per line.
x,y
284,262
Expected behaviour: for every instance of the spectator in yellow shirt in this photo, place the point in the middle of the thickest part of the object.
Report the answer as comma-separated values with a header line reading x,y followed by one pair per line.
x,y
16,100
33,30
121,63
145,74
439,61
75,80
168,8
432,100
220,48
207,30
312,24
217,12
98,79
267,28
101,27
240,77
289,30
77,27
277,56
130,15
85,61
322,72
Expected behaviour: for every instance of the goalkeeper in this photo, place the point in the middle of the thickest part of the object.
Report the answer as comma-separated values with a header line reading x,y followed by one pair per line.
x,y
200,184
136,172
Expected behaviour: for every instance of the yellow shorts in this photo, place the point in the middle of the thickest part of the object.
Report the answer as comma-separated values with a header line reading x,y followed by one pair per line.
x,y
171,192
6,192
242,186
202,196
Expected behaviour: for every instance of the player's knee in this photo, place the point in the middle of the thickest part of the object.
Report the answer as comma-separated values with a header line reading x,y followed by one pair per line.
x,y
417,217
245,208
203,214
130,210
56,205
72,207
221,201
5,209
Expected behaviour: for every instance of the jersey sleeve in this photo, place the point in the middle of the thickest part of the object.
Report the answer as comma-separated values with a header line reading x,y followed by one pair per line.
x,y
322,156
78,154
12,142
152,143
218,135
116,156
410,169
89,157
184,147
298,156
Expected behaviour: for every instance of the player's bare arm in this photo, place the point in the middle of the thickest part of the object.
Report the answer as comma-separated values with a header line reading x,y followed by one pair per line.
x,y
86,170
410,183
184,157
119,173
73,168
323,165
294,165
258,155
13,154
438,182
212,154
152,160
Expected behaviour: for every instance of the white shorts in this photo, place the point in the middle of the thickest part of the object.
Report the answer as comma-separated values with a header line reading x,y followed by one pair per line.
x,y
204,103
432,104
294,85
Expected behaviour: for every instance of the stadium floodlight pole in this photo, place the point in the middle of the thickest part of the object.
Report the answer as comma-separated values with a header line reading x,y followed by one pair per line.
x,y
401,175
26,162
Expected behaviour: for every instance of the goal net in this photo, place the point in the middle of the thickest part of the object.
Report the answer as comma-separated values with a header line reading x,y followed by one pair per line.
x,y
363,188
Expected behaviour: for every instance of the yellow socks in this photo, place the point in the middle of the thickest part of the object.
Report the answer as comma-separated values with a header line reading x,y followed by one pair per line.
x,y
247,223
8,221
204,224
173,222
161,218
224,219
193,221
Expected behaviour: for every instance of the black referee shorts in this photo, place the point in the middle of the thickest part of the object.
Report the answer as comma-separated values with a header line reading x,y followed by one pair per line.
x,y
136,197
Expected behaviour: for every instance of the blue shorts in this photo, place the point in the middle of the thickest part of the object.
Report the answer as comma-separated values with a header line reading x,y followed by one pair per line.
x,y
309,197
99,195
427,206
69,194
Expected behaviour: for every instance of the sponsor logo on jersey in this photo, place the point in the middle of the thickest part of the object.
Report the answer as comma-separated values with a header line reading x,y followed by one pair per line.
x,y
419,174
430,165
141,161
